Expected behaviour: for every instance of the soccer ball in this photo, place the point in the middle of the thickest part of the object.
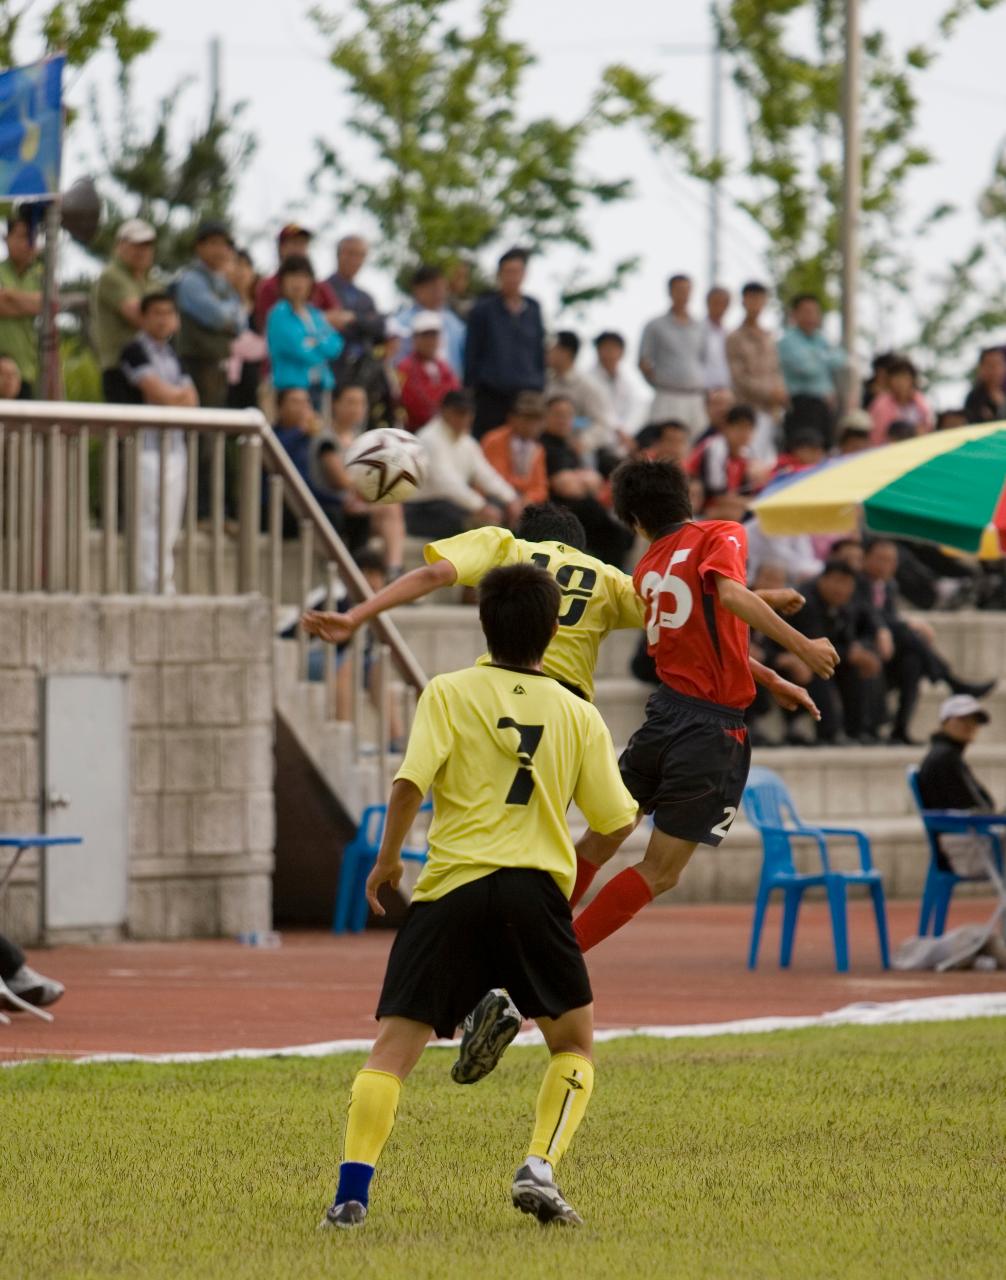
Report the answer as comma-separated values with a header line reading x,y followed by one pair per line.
x,y
386,465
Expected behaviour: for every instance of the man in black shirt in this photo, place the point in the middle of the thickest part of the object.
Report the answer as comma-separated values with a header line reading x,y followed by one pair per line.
x,y
505,349
945,779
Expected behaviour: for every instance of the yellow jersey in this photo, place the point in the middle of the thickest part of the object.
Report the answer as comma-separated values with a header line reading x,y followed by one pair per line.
x,y
505,751
597,598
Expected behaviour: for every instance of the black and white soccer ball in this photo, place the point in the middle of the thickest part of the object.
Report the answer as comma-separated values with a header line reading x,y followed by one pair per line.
x,y
386,465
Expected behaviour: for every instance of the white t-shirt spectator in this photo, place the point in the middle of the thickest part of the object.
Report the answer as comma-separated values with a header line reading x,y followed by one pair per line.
x,y
458,471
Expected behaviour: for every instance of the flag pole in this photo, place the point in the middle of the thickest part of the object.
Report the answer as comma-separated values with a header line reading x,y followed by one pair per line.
x,y
50,382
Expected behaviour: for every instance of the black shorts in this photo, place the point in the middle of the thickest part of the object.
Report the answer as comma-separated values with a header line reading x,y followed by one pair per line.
x,y
687,765
511,928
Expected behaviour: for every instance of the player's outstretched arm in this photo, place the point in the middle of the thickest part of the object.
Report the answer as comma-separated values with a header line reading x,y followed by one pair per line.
x,y
784,600
819,654
402,809
338,627
790,696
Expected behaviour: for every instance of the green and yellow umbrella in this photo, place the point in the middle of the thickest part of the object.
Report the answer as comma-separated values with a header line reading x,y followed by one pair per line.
x,y
947,487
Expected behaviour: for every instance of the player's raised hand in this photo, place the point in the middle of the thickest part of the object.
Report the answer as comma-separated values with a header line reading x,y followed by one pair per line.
x,y
794,697
336,628
384,872
820,656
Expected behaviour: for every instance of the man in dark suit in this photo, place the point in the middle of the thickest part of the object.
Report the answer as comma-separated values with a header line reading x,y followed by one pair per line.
x,y
905,645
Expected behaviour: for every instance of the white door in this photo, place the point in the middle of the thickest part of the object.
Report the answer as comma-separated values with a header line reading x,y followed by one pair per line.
x,y
86,794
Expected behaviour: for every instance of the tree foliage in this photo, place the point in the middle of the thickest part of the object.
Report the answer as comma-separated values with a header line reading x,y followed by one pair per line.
x,y
79,27
453,167
147,174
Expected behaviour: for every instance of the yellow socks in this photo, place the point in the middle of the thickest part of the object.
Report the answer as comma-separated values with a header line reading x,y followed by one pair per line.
x,y
562,1101
373,1102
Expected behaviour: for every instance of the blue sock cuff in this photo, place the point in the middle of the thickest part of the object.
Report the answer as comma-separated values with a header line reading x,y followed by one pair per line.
x,y
354,1182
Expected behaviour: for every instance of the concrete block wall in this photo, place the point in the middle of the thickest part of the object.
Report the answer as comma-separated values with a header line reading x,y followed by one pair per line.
x,y
200,696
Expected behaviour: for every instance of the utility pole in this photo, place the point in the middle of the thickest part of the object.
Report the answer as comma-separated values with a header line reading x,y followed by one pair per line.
x,y
216,55
851,198
715,146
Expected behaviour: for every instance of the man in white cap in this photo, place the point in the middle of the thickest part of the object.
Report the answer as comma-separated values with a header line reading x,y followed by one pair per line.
x,y
946,781
117,295
424,377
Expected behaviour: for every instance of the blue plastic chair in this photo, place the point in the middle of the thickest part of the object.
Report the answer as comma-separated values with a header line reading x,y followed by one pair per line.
x,y
770,811
940,885
358,859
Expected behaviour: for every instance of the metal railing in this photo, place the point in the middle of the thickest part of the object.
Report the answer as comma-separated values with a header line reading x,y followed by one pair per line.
x,y
79,484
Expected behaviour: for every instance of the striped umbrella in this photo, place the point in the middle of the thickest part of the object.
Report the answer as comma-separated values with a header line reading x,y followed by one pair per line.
x,y
947,487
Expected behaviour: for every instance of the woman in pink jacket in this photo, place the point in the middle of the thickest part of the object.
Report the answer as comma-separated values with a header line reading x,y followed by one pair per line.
x,y
901,402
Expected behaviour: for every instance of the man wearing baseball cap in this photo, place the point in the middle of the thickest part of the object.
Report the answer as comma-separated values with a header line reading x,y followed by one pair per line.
x,y
118,292
946,780
293,241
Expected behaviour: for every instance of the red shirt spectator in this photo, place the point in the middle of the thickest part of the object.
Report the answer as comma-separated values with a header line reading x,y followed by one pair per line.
x,y
424,378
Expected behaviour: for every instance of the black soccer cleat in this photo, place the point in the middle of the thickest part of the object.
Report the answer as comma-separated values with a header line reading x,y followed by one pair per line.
x,y
485,1034
343,1216
541,1198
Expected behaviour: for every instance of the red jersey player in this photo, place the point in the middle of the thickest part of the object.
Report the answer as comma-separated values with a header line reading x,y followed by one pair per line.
x,y
688,763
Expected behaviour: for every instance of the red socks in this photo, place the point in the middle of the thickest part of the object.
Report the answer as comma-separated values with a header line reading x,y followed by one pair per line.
x,y
585,873
614,906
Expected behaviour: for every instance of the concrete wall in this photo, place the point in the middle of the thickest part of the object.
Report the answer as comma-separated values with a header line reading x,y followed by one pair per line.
x,y
200,695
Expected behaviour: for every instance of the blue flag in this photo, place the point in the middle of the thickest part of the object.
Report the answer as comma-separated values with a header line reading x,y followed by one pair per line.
x,y
31,130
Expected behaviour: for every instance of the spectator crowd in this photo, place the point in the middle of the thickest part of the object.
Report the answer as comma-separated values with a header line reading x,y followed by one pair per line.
x,y
509,414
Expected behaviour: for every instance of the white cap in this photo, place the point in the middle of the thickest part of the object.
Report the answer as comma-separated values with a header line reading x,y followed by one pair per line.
x,y
136,231
427,322
962,704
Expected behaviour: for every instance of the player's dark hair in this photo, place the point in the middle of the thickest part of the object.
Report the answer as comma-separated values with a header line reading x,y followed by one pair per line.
x,y
153,299
741,413
518,609
650,495
548,522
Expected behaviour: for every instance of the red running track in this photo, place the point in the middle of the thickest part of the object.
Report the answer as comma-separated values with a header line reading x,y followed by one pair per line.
x,y
672,965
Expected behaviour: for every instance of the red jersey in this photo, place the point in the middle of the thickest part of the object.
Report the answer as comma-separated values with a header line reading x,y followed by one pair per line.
x,y
700,648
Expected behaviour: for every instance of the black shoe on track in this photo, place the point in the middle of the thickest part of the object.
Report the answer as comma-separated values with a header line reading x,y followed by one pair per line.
x,y
486,1032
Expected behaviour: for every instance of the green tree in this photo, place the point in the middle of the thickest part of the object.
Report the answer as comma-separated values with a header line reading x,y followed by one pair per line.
x,y
146,173
453,167
81,28
792,92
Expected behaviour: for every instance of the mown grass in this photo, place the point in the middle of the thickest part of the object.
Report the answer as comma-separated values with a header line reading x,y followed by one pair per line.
x,y
853,1152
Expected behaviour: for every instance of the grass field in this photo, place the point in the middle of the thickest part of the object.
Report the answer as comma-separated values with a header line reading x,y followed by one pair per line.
x,y
853,1152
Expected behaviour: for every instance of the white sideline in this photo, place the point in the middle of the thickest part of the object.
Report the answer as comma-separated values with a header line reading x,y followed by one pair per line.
x,y
929,1009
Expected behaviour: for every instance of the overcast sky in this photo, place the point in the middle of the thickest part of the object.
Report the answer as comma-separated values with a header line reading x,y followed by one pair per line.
x,y
274,59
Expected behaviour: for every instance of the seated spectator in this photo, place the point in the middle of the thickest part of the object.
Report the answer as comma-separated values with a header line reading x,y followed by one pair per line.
x,y
462,489
854,432
294,241
876,384
986,400
949,419
902,401
429,293
10,379
901,429
301,341
848,702
621,392
314,452
515,448
906,645
18,976
806,450
794,553
594,417
152,369
726,468
423,377
576,487
947,782
662,442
